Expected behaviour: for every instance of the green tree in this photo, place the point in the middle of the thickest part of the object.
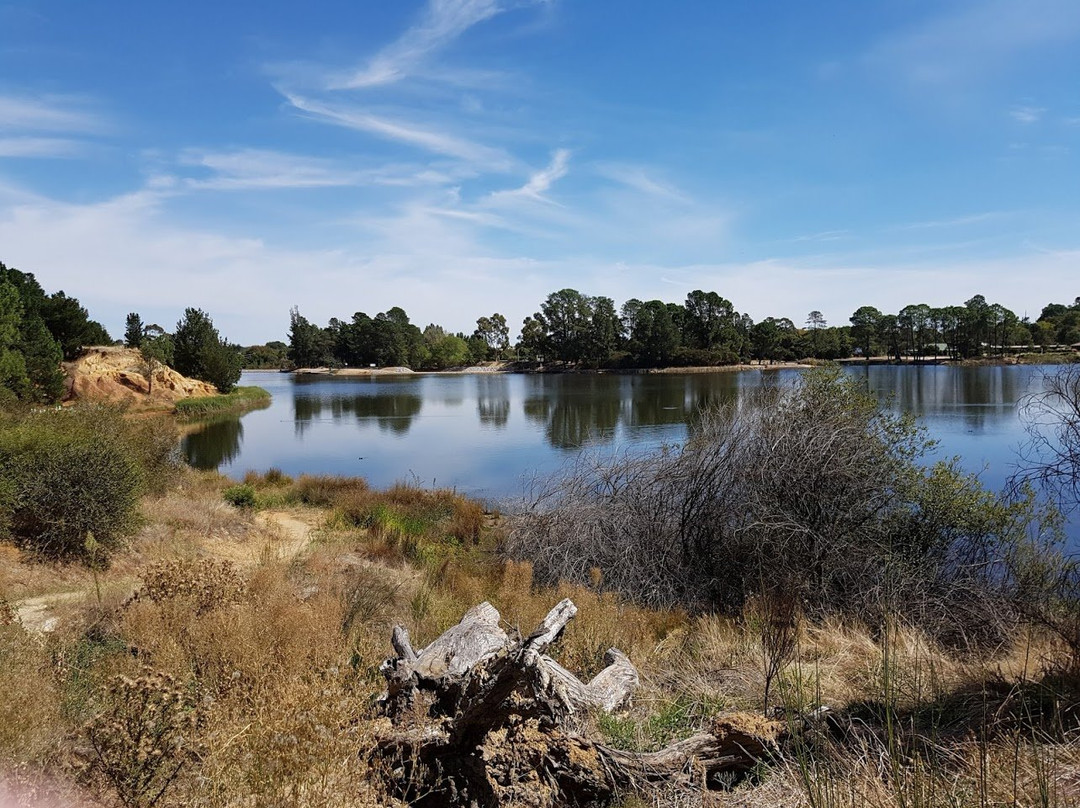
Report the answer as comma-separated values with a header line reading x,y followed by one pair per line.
x,y
815,321
70,324
13,375
200,352
449,351
42,357
605,329
656,334
133,330
533,342
495,333
568,316
309,345
36,373
864,324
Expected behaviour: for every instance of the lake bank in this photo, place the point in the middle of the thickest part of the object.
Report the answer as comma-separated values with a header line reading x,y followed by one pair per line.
x,y
1054,358
295,600
532,368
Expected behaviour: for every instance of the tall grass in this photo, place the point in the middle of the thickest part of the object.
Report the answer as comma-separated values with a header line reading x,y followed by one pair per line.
x,y
278,658
242,399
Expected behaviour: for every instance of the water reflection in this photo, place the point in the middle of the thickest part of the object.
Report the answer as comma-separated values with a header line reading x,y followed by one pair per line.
x,y
493,399
982,399
214,444
575,411
484,432
393,412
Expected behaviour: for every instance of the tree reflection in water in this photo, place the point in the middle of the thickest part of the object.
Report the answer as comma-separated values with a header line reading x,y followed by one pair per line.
x,y
216,443
393,412
493,399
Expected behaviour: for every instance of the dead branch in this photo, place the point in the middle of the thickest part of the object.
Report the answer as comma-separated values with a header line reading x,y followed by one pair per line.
x,y
480,718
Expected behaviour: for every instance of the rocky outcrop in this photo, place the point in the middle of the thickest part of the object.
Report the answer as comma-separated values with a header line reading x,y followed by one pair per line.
x,y
119,375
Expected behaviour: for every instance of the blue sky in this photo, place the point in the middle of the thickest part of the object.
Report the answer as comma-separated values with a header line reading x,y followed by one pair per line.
x,y
459,157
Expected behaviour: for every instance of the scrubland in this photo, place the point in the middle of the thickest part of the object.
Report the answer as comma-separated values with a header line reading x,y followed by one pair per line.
x,y
222,659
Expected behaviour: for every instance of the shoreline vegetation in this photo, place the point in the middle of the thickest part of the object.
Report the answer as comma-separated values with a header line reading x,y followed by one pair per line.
x,y
208,642
240,400
572,329
1051,358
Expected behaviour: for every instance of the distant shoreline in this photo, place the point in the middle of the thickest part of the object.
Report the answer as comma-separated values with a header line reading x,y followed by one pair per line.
x,y
511,367
556,369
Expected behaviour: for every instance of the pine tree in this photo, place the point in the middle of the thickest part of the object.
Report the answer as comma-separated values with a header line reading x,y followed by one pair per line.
x,y
133,331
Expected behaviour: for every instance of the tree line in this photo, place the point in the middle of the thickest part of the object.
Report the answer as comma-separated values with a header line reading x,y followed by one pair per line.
x,y
388,340
37,332
706,329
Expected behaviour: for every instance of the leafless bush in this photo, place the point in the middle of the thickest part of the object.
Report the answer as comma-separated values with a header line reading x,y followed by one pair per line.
x,y
207,583
1051,457
141,736
811,484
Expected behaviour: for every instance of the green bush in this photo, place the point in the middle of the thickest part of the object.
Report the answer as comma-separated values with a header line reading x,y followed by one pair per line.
x,y
67,474
240,496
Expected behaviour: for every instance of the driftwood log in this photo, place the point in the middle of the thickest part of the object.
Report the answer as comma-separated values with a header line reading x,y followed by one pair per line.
x,y
480,718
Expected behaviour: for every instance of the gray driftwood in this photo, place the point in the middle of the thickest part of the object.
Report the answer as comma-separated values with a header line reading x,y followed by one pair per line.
x,y
482,718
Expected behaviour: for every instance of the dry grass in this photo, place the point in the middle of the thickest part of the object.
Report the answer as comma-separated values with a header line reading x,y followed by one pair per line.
x,y
280,653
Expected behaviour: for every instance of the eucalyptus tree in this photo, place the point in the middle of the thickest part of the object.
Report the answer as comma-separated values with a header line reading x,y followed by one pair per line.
x,y
495,333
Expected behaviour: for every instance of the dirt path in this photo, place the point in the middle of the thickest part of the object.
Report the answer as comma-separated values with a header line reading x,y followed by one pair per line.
x,y
296,532
287,534
36,615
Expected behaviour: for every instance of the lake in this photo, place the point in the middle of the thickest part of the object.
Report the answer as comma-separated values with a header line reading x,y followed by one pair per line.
x,y
488,434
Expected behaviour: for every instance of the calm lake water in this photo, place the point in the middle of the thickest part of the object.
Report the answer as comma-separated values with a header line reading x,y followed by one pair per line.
x,y
486,434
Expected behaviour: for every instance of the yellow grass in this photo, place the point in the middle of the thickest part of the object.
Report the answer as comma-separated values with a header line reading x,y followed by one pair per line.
x,y
276,639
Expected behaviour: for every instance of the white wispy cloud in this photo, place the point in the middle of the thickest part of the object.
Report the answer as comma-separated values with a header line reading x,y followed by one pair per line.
x,y
539,182
955,221
442,22
431,140
249,169
20,113
639,179
826,235
29,146
1027,114
973,40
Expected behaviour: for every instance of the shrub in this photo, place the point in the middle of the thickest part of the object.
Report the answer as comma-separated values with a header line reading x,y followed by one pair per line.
x,y
141,736
810,489
205,584
68,474
240,496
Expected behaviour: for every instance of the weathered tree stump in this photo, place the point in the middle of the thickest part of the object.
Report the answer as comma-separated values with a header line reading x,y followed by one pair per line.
x,y
481,719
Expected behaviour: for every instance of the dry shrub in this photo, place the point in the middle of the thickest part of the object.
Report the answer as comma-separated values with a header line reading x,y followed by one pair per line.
x,y
206,583
31,722
284,675
272,478
191,513
812,487
142,735
1020,773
